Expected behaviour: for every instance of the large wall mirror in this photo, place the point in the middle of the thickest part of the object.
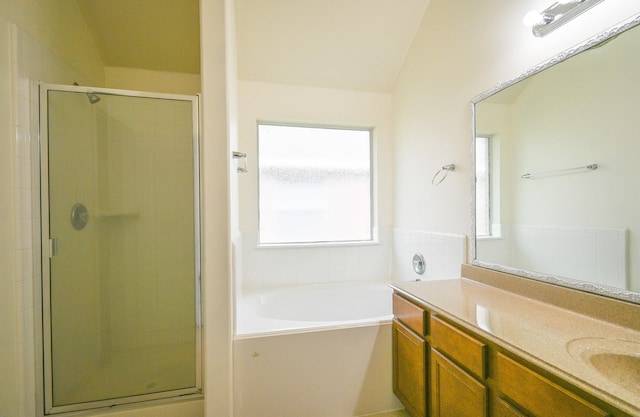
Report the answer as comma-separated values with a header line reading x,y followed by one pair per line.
x,y
557,161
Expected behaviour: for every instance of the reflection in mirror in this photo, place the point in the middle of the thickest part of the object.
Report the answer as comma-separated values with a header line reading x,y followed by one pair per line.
x,y
574,227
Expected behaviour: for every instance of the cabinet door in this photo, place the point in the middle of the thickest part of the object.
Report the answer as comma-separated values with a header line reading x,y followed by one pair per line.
x,y
409,370
454,392
504,409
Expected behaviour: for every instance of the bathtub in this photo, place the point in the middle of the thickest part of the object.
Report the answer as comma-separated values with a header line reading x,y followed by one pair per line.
x,y
318,350
312,307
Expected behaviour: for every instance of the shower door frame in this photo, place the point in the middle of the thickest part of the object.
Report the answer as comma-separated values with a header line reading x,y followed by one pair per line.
x,y
44,333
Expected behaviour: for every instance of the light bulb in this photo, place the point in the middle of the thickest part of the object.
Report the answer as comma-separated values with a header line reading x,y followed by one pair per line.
x,y
532,17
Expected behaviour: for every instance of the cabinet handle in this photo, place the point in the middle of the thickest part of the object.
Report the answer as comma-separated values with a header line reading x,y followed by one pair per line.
x,y
53,247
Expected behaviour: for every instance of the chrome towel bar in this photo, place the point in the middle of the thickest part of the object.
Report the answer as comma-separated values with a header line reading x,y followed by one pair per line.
x,y
591,167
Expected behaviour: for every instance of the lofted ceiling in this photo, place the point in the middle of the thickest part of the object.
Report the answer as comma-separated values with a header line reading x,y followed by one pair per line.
x,y
159,35
351,44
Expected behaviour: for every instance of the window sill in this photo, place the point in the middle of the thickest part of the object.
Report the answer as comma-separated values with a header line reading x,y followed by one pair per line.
x,y
317,244
489,238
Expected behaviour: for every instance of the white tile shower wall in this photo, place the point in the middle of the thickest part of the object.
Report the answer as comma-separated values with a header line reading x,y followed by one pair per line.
x,y
598,255
443,253
264,267
31,62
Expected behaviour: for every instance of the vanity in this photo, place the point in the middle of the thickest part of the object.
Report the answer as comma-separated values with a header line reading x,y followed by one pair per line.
x,y
492,345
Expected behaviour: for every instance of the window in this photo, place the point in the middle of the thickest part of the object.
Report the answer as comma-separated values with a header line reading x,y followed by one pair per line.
x,y
483,187
314,184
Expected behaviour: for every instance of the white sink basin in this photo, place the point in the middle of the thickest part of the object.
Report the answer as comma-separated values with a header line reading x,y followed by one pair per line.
x,y
617,360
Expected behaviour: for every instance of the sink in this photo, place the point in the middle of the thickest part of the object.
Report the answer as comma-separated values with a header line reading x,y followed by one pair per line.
x,y
615,359
621,369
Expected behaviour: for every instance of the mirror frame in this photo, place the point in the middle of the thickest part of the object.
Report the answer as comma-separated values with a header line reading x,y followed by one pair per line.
x,y
585,286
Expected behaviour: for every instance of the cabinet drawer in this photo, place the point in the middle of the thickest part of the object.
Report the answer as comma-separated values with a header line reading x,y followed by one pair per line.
x,y
538,395
459,346
410,315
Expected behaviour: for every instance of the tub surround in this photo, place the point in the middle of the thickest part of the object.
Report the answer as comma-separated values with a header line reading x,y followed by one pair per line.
x,y
597,255
443,254
264,267
536,321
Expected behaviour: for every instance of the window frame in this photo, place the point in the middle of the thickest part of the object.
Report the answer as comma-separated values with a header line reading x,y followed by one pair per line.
x,y
373,238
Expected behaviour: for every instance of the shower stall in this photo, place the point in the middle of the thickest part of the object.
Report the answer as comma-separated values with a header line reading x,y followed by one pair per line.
x,y
121,247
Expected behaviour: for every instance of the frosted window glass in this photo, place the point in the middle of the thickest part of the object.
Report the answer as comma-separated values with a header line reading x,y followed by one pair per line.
x,y
315,184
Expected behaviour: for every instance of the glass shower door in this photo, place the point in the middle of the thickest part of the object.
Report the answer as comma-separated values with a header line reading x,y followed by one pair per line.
x,y
120,220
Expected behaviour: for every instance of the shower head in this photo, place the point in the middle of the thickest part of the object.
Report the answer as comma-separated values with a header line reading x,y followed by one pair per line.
x,y
93,97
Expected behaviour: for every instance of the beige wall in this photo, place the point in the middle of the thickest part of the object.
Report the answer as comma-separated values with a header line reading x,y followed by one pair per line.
x,y
154,81
461,49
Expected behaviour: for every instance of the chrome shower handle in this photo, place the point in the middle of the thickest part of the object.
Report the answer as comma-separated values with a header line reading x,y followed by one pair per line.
x,y
79,216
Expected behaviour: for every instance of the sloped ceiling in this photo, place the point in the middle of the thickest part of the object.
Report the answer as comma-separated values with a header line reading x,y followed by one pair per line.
x,y
351,44
159,35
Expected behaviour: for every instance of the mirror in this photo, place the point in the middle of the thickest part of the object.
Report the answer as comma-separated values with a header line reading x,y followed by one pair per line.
x,y
557,157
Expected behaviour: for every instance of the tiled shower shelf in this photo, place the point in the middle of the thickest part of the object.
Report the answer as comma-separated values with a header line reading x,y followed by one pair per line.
x,y
118,213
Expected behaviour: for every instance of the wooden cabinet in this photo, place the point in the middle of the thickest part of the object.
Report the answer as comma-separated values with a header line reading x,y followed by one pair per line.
x,y
409,370
537,395
411,315
504,409
410,356
464,349
444,369
454,393
458,369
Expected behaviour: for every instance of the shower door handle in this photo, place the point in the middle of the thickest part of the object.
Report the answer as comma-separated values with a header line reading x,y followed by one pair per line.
x,y
53,247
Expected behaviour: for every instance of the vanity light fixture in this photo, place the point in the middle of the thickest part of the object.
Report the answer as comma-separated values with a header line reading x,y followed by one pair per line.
x,y
556,15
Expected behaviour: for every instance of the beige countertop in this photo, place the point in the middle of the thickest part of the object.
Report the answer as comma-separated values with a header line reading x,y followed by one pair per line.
x,y
548,336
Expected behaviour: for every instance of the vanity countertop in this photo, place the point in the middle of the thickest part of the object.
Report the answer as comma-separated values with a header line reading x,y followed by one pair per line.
x,y
546,335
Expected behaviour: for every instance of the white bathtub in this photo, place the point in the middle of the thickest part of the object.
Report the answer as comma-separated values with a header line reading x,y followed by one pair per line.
x,y
307,307
318,350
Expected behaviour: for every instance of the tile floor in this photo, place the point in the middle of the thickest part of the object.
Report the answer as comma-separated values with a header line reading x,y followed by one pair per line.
x,y
398,413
